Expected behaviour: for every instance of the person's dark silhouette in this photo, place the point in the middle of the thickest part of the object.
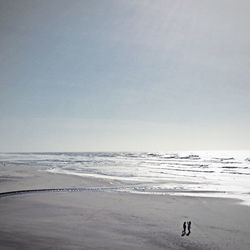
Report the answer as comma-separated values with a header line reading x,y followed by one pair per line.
x,y
189,228
184,229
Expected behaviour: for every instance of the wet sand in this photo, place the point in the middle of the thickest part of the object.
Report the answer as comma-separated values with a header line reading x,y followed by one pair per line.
x,y
112,220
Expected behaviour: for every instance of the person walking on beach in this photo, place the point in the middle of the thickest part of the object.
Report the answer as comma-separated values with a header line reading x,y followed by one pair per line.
x,y
189,228
184,229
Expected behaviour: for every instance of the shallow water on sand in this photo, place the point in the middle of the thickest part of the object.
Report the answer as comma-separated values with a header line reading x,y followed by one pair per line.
x,y
197,173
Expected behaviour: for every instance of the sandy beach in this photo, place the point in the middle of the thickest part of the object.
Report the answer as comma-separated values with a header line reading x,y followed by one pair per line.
x,y
94,219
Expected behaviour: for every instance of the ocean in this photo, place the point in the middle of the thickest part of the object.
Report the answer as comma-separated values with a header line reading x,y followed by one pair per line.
x,y
224,174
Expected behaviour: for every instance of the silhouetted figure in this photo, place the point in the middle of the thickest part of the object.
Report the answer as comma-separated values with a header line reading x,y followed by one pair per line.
x,y
184,229
189,228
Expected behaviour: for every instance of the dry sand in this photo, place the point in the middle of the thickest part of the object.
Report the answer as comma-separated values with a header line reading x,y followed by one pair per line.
x,y
112,220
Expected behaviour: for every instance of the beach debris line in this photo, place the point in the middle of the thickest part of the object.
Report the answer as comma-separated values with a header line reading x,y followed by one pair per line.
x,y
73,189
186,226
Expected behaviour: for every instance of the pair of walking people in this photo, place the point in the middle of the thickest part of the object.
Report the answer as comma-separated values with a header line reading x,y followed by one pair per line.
x,y
186,226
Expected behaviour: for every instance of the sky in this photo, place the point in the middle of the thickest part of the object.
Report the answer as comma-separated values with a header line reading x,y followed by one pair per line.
x,y
124,75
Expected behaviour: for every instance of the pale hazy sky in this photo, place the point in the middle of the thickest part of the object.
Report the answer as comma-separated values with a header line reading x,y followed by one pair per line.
x,y
124,75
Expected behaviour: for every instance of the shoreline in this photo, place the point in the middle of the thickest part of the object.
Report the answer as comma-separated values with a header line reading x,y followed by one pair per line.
x,y
18,177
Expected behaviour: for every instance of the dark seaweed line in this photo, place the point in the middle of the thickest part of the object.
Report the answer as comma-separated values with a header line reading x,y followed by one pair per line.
x,y
93,189
20,192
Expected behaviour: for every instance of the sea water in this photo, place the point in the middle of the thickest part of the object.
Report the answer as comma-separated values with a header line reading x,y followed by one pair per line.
x,y
198,173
